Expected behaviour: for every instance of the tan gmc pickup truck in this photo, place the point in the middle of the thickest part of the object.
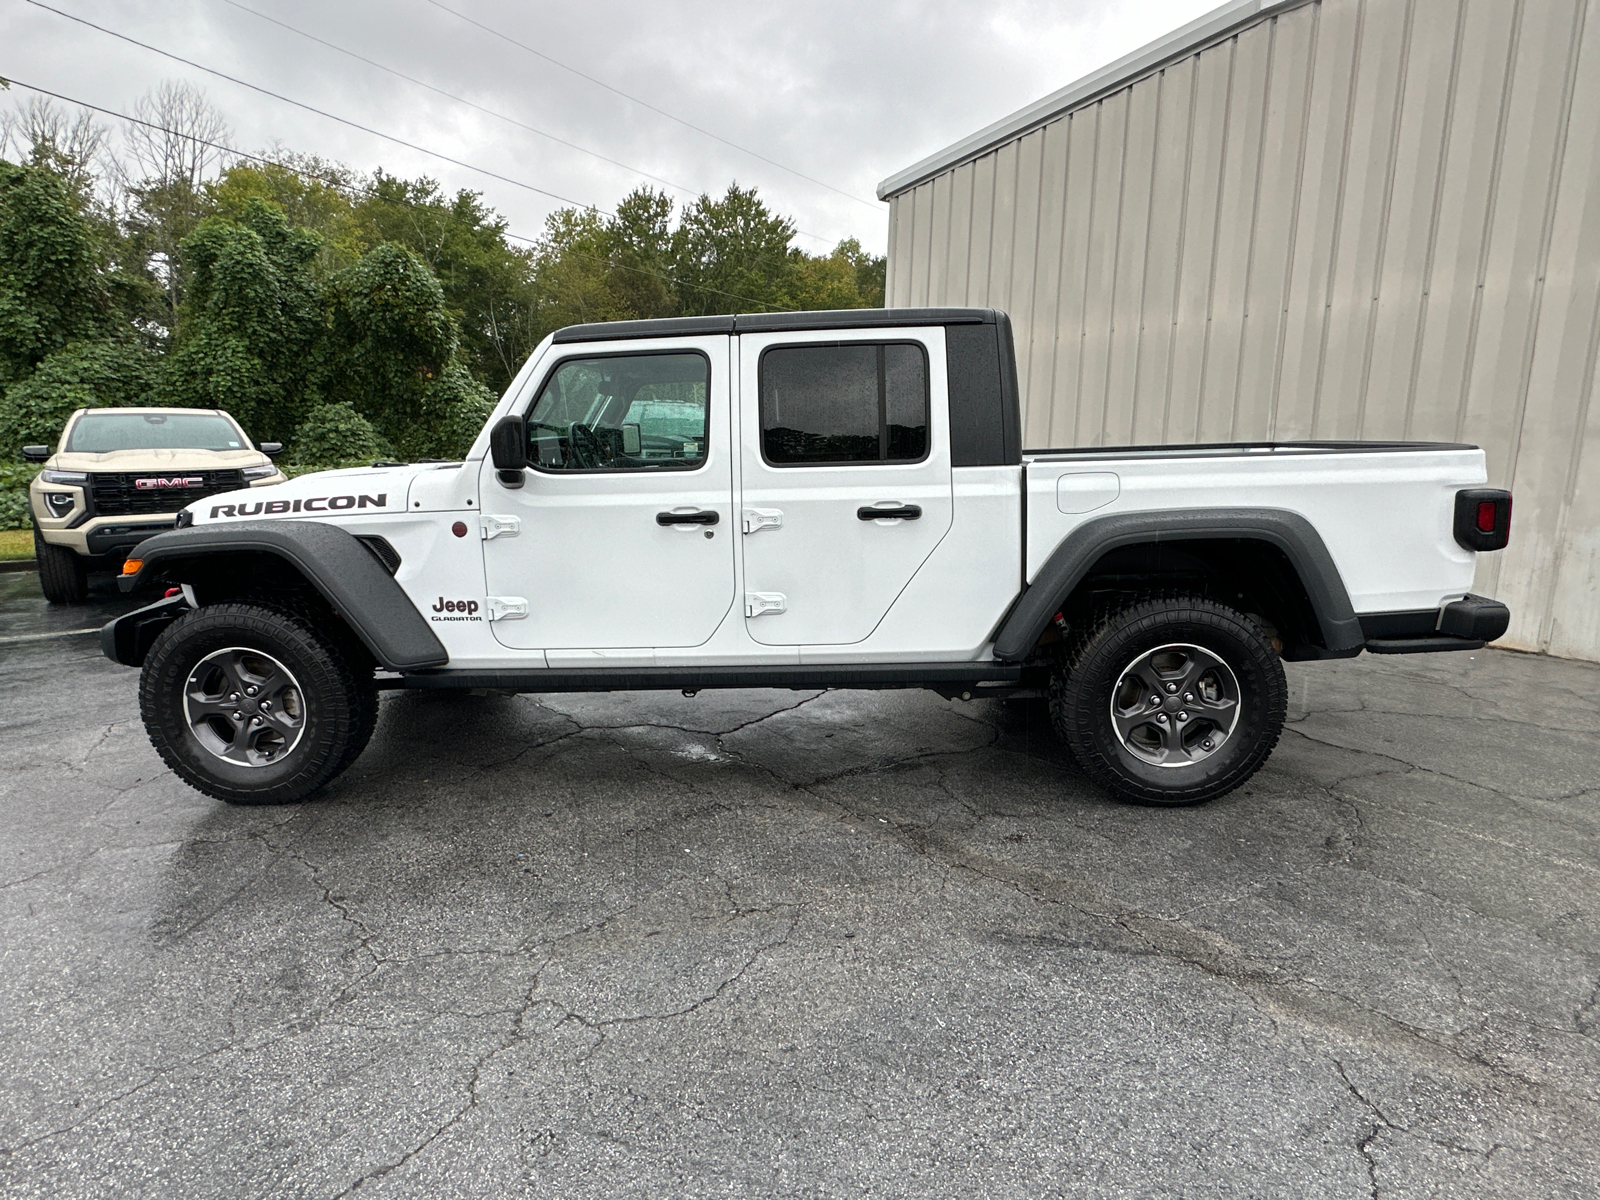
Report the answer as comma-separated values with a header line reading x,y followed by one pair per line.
x,y
119,475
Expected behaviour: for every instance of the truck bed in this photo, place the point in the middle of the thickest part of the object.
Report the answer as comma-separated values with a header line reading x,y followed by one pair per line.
x,y
1384,510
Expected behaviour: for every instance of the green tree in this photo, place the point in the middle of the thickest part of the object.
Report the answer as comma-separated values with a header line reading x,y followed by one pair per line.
x,y
336,435
639,253
310,193
253,326
51,290
486,282
733,255
395,354
99,372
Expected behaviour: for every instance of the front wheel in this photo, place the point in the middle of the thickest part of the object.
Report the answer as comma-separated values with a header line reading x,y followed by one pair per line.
x,y
252,704
62,575
1171,701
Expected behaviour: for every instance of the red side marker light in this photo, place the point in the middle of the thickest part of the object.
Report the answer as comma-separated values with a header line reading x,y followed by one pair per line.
x,y
1486,516
460,527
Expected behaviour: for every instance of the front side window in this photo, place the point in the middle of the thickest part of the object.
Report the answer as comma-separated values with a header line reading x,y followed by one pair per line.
x,y
106,430
844,403
622,412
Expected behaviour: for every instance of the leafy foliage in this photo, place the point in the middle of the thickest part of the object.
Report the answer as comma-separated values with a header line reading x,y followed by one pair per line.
x,y
100,372
51,292
252,323
336,435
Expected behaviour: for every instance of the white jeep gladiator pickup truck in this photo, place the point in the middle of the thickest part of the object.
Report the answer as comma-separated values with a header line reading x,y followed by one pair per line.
x,y
803,500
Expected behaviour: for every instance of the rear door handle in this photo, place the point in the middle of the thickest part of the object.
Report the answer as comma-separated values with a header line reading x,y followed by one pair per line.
x,y
905,512
705,516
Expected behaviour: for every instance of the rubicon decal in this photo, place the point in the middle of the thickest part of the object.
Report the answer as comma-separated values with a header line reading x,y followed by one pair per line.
x,y
158,482
456,610
274,508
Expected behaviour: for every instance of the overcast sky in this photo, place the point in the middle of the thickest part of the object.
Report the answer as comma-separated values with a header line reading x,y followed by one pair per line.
x,y
847,93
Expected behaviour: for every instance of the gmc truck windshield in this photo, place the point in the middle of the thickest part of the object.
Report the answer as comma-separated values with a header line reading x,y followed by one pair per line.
x,y
102,432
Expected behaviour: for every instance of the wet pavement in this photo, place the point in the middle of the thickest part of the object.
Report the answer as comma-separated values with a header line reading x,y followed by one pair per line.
x,y
801,944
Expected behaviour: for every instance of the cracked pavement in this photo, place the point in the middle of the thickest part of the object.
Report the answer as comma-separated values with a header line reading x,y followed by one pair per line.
x,y
806,944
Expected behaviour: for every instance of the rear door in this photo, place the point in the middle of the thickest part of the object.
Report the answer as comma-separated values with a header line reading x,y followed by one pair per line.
x,y
846,484
622,533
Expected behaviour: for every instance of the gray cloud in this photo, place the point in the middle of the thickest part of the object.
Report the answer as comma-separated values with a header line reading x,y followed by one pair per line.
x,y
845,92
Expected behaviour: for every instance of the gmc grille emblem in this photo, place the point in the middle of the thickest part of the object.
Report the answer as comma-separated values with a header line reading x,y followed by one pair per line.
x,y
177,481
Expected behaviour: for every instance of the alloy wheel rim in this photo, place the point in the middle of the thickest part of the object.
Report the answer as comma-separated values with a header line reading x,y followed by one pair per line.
x,y
244,707
1176,705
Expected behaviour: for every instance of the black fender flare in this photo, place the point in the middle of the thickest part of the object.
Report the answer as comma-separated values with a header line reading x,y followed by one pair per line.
x,y
344,571
1083,547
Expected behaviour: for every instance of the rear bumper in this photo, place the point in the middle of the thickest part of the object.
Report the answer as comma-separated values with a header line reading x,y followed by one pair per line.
x,y
1464,624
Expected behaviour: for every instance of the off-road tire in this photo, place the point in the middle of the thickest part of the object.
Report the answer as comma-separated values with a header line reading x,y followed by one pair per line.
x,y
339,704
62,575
339,636
1082,688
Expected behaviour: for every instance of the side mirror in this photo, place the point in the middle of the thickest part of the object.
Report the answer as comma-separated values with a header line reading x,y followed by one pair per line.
x,y
270,449
508,450
36,453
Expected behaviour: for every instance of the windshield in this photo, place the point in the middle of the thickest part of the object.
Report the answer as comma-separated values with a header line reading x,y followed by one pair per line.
x,y
100,432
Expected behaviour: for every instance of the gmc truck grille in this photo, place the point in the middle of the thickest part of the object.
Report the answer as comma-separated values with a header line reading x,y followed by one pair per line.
x,y
117,495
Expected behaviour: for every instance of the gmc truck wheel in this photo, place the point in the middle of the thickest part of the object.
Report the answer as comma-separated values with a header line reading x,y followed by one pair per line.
x,y
1171,701
253,705
62,576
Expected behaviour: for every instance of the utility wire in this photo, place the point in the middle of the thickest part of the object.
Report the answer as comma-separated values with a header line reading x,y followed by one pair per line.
x,y
335,117
388,137
646,104
688,191
365,189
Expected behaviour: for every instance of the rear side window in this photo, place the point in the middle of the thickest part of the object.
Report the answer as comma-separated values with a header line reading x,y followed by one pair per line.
x,y
852,402
638,412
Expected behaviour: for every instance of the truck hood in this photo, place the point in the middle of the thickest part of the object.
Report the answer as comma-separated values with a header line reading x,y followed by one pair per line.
x,y
158,461
369,490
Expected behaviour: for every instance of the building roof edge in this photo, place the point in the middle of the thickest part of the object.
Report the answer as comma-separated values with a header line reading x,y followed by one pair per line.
x,y
1215,24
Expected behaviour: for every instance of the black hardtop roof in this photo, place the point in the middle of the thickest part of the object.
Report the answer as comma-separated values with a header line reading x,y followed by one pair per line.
x,y
841,318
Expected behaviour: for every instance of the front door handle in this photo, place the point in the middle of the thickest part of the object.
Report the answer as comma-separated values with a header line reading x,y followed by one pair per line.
x,y
705,516
905,512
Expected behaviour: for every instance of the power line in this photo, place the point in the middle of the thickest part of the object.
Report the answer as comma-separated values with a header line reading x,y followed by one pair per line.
x,y
688,191
646,104
388,137
366,189
335,117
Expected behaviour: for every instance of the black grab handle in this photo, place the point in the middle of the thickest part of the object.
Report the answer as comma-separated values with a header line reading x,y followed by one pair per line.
x,y
906,512
703,517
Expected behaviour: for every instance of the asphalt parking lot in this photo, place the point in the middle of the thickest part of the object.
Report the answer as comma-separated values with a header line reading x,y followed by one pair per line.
x,y
797,944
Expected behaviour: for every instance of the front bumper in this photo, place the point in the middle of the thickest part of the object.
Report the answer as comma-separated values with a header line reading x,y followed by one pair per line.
x,y
1465,624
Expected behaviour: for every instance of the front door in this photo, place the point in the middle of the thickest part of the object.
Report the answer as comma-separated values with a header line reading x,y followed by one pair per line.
x,y
623,533
845,457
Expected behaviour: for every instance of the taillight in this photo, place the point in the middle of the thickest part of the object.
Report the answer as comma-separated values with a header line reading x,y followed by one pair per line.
x,y
1483,518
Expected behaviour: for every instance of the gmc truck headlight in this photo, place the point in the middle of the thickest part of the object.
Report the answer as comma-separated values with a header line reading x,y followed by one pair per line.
x,y
64,476
59,503
260,472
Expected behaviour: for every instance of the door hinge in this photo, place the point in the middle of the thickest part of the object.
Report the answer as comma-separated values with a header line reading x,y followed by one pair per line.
x,y
762,518
492,527
758,604
506,608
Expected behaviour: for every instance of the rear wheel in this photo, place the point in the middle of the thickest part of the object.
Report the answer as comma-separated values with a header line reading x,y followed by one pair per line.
x,y
1171,701
253,705
62,575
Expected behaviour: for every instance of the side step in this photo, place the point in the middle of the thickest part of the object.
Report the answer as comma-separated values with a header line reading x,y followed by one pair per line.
x,y
1421,645
952,679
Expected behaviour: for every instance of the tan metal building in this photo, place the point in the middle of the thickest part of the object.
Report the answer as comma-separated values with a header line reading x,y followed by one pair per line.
x,y
1310,219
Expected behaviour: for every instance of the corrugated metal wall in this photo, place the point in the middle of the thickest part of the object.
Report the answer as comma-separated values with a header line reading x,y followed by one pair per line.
x,y
1353,219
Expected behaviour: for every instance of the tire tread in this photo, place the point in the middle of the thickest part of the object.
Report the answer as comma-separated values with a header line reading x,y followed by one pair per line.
x,y
1092,651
